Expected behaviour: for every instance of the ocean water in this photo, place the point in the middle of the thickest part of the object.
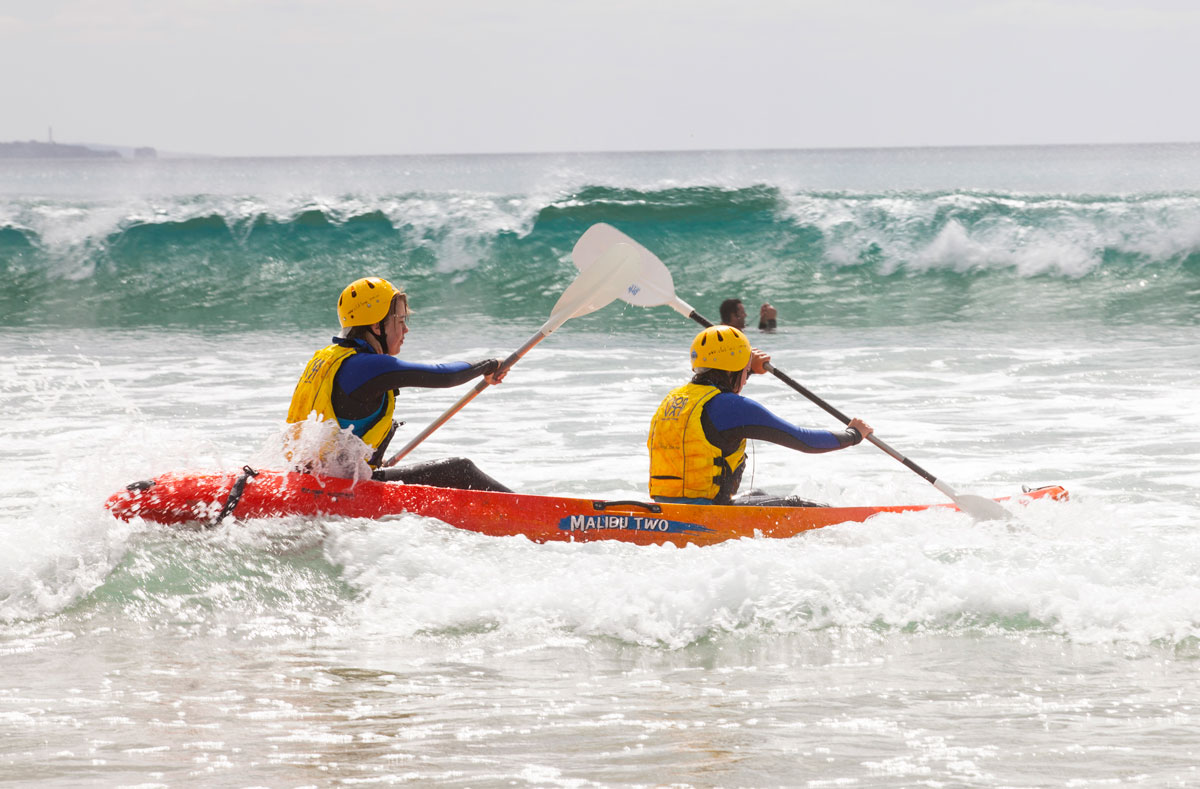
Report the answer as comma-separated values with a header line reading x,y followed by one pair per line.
x,y
1004,316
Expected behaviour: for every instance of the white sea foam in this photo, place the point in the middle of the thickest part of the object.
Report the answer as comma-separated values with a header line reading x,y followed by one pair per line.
x,y
970,232
1072,569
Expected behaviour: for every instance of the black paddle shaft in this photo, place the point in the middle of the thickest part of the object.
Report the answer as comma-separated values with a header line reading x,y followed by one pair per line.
x,y
832,411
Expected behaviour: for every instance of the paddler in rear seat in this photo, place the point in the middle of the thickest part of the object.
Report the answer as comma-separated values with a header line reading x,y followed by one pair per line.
x,y
356,379
698,435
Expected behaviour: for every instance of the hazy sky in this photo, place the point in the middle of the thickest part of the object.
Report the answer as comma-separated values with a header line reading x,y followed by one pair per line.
x,y
297,77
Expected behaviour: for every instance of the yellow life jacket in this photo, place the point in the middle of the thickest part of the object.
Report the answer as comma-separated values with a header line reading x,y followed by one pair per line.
x,y
314,392
683,464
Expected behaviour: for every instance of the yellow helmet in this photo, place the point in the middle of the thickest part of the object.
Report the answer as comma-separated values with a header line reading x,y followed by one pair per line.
x,y
366,301
721,348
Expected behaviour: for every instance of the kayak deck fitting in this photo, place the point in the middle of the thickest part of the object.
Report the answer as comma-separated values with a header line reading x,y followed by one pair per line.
x,y
207,499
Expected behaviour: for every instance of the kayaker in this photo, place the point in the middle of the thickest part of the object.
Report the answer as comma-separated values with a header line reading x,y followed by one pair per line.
x,y
698,435
356,379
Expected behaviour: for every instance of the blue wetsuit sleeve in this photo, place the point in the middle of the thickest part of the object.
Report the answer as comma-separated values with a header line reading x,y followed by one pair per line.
x,y
735,417
368,376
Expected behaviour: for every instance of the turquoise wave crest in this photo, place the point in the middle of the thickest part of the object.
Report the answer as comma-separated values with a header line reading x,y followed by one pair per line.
x,y
838,258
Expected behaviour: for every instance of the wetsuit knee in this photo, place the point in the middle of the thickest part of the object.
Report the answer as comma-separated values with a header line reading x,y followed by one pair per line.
x,y
458,473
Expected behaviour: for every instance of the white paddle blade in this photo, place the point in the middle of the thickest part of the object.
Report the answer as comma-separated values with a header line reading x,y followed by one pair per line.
x,y
981,509
596,286
653,284
977,507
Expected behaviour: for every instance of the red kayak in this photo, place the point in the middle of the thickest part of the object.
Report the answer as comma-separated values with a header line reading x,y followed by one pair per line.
x,y
206,499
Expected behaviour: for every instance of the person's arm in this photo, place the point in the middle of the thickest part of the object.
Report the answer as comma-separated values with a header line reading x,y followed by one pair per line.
x,y
766,318
735,417
367,377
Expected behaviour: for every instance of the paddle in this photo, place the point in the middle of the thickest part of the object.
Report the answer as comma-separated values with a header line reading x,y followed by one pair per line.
x,y
608,275
654,286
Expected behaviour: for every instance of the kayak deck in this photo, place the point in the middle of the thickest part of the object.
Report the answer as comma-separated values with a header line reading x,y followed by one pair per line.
x,y
207,499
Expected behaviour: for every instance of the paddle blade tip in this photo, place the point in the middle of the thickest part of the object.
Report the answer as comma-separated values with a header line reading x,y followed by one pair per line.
x,y
982,509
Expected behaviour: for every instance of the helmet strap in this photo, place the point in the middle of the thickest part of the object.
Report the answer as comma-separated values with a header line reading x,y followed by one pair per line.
x,y
381,336
738,380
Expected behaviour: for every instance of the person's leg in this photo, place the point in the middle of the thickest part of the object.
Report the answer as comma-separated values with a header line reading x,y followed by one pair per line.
x,y
458,473
758,498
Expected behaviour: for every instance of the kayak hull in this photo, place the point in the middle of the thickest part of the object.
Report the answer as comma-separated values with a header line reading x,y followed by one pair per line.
x,y
206,499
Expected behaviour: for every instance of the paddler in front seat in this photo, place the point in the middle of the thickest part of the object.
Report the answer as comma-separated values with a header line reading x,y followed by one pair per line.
x,y
698,435
356,379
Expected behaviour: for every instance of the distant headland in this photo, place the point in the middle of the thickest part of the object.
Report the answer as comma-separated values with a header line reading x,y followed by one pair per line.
x,y
32,149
